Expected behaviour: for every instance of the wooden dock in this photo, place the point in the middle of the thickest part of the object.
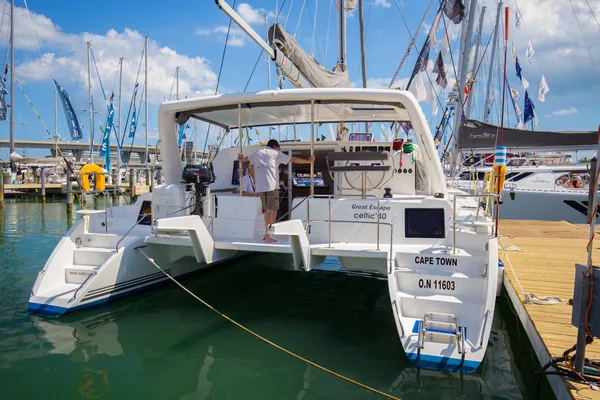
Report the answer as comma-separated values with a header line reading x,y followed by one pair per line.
x,y
60,189
539,256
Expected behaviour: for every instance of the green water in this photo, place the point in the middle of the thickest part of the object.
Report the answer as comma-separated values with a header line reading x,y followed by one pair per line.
x,y
163,344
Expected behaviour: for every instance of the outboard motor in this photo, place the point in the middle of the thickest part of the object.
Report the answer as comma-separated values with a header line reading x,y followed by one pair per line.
x,y
200,176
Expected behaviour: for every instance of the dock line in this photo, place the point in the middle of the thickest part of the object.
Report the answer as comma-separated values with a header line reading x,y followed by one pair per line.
x,y
267,341
530,298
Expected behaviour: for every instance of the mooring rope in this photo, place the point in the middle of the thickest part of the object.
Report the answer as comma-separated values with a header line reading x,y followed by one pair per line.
x,y
530,298
256,335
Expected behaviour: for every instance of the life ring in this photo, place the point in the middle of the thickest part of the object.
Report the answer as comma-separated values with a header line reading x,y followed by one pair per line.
x,y
84,177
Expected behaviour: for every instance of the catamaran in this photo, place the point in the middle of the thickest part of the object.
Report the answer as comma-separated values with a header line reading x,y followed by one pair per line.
x,y
380,207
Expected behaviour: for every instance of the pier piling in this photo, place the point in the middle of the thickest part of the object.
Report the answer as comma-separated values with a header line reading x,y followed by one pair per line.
x,y
132,184
43,183
69,191
151,179
1,187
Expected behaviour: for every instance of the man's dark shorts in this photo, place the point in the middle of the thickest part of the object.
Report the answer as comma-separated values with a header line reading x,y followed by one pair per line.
x,y
270,200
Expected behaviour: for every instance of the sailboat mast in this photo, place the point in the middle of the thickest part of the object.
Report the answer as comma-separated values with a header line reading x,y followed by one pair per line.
x,y
342,43
55,122
146,98
12,77
363,54
177,83
462,73
268,61
90,105
119,120
475,62
488,103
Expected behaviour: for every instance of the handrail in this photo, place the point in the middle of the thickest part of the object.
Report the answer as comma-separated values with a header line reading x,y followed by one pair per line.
x,y
94,273
129,231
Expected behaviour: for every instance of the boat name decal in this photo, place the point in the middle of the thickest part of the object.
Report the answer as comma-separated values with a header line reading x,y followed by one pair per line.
x,y
453,262
369,211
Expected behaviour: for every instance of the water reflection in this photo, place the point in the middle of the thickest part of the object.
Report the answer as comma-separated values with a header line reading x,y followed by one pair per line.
x,y
163,344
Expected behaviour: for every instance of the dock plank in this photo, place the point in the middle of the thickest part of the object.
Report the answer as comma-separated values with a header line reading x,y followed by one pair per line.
x,y
539,256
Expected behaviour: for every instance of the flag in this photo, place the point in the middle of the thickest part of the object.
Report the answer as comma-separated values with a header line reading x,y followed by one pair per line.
x,y
432,100
133,125
529,107
72,121
530,51
544,88
515,94
181,135
419,88
446,40
438,68
517,18
105,147
406,126
106,154
536,120
423,59
513,52
433,30
518,112
3,93
520,76
454,10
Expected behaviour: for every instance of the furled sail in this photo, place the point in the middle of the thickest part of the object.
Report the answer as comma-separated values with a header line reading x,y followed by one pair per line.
x,y
479,135
318,75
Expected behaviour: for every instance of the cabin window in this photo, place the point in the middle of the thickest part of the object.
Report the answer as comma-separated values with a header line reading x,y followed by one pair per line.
x,y
427,223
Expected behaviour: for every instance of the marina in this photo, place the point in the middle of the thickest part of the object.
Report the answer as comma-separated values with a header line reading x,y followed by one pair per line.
x,y
309,236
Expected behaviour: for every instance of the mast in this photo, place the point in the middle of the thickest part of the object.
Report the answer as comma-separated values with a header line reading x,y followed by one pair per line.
x,y
488,102
12,77
268,63
362,50
177,83
55,121
90,105
462,73
146,97
119,120
475,62
341,65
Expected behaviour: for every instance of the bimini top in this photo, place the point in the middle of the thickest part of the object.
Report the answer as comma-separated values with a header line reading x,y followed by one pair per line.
x,y
296,106
293,106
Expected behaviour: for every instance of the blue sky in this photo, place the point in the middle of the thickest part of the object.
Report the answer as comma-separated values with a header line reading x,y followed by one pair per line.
x,y
191,34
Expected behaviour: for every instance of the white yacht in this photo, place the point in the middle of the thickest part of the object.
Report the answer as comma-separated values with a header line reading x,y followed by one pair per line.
x,y
376,207
537,192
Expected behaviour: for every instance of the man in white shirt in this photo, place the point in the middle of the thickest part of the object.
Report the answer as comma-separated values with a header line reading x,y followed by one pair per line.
x,y
266,163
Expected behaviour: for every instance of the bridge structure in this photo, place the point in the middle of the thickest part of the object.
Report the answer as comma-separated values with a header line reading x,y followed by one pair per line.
x,y
80,149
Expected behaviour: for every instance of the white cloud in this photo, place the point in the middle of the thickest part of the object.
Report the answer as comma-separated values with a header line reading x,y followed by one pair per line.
x,y
249,14
64,57
203,32
237,38
382,3
566,111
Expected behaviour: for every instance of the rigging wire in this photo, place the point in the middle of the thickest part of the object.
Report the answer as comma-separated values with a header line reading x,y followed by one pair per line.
x,y
299,18
254,69
1,27
137,80
582,35
220,73
593,13
288,14
328,28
